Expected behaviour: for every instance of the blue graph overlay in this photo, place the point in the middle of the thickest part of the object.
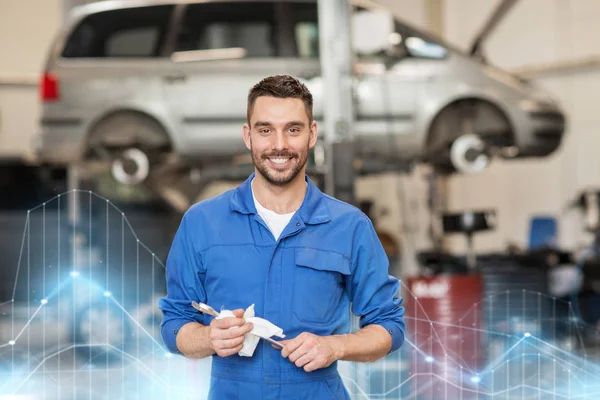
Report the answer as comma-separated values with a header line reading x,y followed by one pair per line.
x,y
79,320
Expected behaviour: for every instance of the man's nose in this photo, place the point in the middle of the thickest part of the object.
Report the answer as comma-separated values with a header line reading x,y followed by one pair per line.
x,y
281,142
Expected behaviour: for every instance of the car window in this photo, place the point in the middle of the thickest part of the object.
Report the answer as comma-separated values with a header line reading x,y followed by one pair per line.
x,y
250,29
306,35
133,43
304,17
418,47
305,26
130,32
418,44
222,27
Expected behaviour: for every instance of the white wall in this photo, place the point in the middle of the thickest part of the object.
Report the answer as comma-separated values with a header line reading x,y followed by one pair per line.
x,y
26,30
536,31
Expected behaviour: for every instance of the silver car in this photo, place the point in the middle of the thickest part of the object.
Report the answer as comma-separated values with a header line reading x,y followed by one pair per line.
x,y
157,79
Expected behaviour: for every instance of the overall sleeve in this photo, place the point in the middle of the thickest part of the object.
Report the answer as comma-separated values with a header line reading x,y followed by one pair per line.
x,y
375,295
184,285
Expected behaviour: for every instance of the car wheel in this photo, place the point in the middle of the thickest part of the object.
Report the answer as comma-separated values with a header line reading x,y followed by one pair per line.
x,y
123,151
133,144
131,167
469,154
457,130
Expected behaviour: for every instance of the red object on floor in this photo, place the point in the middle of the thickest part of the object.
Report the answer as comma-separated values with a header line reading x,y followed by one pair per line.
x,y
444,322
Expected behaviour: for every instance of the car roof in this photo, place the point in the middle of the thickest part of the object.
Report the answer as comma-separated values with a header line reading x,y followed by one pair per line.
x,y
80,11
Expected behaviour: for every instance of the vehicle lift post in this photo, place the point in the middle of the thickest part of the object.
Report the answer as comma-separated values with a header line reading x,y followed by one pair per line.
x,y
336,67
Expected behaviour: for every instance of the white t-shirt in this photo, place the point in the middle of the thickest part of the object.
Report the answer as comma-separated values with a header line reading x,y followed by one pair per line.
x,y
275,222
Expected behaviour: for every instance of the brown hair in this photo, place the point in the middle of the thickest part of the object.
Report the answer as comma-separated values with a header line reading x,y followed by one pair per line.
x,y
283,87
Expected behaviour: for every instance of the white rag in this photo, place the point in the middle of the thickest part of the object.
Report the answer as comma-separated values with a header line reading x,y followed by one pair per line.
x,y
261,328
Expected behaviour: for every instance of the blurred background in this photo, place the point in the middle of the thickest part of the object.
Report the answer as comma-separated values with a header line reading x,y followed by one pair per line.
x,y
465,129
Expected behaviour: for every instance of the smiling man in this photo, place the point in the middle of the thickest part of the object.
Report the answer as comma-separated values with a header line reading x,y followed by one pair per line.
x,y
302,257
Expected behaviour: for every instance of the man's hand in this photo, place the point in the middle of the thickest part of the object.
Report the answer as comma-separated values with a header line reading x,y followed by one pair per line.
x,y
310,351
227,334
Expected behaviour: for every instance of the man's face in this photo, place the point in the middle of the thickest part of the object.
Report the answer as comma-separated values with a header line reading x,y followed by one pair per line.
x,y
279,136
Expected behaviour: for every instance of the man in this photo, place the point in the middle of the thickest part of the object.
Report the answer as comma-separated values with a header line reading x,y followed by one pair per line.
x,y
299,255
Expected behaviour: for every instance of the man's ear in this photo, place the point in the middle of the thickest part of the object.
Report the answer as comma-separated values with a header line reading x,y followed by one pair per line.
x,y
314,133
246,136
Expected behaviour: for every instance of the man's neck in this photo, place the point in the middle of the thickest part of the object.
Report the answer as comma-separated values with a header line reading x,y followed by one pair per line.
x,y
279,199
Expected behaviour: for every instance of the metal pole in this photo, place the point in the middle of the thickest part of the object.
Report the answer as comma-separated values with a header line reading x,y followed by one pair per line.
x,y
336,65
336,68
73,184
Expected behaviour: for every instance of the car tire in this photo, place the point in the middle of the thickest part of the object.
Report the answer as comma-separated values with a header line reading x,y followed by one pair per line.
x,y
126,140
462,118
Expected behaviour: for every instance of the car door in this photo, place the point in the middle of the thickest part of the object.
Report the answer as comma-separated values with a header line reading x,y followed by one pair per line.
x,y
221,50
110,61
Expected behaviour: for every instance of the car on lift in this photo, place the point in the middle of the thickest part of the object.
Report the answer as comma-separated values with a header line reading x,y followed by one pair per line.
x,y
138,83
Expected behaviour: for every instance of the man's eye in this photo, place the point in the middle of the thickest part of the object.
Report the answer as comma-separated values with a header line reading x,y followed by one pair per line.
x,y
265,131
294,130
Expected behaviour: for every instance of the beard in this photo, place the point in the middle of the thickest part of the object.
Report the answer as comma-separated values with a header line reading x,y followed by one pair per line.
x,y
280,177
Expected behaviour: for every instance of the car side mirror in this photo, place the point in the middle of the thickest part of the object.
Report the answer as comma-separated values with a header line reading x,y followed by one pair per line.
x,y
373,32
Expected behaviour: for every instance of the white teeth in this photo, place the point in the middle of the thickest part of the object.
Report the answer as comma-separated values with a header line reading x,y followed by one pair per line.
x,y
279,160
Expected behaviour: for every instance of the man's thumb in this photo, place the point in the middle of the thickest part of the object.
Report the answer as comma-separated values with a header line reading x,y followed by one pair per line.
x,y
239,313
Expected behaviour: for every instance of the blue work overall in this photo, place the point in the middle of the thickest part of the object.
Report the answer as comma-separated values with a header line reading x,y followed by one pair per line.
x,y
327,259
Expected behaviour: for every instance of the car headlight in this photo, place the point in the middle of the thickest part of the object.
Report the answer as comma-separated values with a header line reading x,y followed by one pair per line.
x,y
529,105
544,98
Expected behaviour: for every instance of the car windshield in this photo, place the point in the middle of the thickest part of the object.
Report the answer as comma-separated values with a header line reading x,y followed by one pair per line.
x,y
410,30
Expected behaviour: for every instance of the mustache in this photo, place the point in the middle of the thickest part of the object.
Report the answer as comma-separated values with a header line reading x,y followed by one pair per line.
x,y
283,154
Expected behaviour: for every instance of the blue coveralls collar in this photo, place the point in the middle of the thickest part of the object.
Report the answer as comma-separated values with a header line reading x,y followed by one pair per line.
x,y
313,210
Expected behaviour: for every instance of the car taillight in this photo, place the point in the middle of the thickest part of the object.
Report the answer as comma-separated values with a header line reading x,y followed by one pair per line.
x,y
49,87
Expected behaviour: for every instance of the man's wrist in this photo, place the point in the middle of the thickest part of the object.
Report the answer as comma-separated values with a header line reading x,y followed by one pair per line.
x,y
338,345
207,337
